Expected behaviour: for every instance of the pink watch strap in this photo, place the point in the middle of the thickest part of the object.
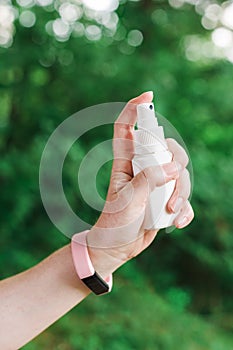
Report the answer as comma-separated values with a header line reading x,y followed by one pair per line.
x,y
81,259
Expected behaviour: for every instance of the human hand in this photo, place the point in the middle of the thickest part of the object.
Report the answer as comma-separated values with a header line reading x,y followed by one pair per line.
x,y
117,236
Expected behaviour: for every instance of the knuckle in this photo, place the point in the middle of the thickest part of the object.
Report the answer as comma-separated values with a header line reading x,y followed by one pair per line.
x,y
155,175
185,158
122,128
185,192
116,125
178,151
182,156
186,175
171,141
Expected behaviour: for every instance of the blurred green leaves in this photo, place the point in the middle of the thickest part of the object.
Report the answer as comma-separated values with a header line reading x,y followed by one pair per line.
x,y
178,294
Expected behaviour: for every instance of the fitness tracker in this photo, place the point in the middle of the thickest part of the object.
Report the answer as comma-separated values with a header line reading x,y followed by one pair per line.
x,y
84,267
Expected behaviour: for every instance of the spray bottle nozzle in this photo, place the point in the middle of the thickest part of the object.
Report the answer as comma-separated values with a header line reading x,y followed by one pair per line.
x,y
149,135
146,116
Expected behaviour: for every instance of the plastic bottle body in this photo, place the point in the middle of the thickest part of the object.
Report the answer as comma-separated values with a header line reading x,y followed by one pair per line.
x,y
156,214
151,150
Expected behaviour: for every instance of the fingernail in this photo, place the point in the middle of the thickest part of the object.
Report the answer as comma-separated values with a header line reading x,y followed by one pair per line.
x,y
182,222
148,94
178,204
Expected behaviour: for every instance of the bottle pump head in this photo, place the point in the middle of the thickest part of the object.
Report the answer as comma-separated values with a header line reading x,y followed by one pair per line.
x,y
149,137
146,116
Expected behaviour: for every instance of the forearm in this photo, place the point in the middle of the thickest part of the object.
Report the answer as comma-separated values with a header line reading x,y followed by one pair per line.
x,y
33,300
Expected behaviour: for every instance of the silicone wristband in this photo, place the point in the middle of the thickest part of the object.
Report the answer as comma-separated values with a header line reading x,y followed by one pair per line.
x,y
84,267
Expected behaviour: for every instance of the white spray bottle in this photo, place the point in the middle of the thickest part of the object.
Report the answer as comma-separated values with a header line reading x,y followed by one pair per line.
x,y
150,150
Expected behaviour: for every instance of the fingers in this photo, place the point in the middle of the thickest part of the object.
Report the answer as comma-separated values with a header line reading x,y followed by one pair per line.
x,y
123,147
179,153
185,216
129,114
137,191
154,176
181,192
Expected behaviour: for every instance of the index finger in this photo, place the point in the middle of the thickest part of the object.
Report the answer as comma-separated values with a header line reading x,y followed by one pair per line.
x,y
129,114
123,147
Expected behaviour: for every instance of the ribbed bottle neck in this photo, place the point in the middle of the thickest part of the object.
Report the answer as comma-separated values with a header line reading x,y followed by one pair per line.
x,y
149,141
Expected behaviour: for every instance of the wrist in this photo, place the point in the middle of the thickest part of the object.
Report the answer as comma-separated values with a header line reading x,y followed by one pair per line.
x,y
103,260
84,266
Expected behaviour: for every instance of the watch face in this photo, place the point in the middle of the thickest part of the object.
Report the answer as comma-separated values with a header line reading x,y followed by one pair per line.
x,y
96,284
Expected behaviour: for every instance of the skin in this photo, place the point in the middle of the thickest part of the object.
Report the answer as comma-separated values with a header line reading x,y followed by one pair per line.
x,y
34,299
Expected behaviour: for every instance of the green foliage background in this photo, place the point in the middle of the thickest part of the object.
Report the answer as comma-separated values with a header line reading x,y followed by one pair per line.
x,y
177,294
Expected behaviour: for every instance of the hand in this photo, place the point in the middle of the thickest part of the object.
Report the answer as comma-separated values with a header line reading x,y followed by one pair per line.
x,y
117,236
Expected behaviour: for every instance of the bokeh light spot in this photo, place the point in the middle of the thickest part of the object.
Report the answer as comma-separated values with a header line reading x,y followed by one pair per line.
x,y
159,17
208,23
44,2
227,16
7,17
70,12
78,29
135,38
103,5
26,3
222,37
61,29
176,3
126,49
93,32
27,19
